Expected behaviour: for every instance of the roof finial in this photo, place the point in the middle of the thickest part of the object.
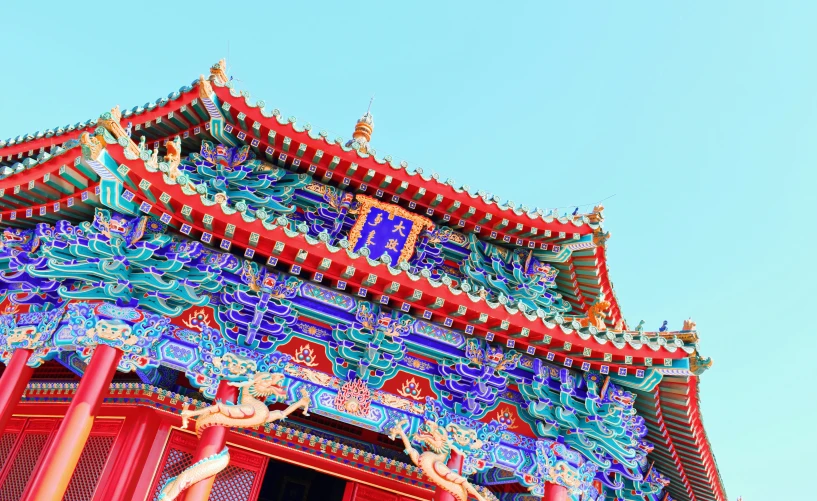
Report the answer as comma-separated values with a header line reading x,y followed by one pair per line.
x,y
218,72
363,131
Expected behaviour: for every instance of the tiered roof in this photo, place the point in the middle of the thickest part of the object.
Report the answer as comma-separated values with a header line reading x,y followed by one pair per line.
x,y
43,178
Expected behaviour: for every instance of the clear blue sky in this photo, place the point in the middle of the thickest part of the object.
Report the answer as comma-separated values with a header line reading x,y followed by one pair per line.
x,y
701,118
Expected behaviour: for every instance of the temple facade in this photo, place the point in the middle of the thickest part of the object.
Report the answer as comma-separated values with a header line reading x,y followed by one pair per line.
x,y
203,299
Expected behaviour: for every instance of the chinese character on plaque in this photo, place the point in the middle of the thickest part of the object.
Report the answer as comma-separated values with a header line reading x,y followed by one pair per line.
x,y
386,229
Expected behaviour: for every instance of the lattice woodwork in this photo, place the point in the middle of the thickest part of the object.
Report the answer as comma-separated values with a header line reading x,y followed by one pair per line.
x,y
175,463
89,468
53,371
233,484
6,444
240,481
23,466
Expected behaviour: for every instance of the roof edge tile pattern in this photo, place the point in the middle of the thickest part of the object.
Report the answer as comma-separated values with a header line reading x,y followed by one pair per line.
x,y
404,174
672,410
673,417
444,289
426,179
73,131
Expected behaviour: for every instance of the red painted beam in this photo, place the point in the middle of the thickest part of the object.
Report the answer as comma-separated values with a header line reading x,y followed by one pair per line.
x,y
293,245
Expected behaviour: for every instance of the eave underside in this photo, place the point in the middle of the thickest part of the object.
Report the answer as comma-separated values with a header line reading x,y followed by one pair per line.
x,y
682,450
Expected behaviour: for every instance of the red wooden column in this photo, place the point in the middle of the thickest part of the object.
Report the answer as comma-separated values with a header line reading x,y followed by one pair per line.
x,y
212,441
13,384
148,466
455,462
61,457
555,492
141,428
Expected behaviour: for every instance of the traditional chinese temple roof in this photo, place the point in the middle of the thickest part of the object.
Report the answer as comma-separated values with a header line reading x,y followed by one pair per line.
x,y
682,449
45,177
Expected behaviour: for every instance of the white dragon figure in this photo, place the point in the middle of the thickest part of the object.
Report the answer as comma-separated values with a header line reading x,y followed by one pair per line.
x,y
433,461
249,412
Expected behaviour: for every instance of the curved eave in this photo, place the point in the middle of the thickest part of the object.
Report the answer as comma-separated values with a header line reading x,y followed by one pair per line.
x,y
79,205
605,285
585,276
31,144
444,304
682,451
432,197
560,343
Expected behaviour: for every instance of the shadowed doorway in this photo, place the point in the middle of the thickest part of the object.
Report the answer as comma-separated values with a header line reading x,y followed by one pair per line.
x,y
287,482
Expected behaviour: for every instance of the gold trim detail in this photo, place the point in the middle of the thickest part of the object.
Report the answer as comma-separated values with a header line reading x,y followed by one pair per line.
x,y
418,223
112,122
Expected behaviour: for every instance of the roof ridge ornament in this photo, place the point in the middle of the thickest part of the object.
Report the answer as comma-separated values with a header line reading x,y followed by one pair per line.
x,y
111,121
91,145
218,72
363,131
205,89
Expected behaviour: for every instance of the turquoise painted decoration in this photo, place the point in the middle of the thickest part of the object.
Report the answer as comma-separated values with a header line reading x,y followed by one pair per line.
x,y
19,248
30,331
127,260
599,423
473,383
257,310
371,346
428,253
219,358
134,332
562,466
471,438
512,277
331,216
233,176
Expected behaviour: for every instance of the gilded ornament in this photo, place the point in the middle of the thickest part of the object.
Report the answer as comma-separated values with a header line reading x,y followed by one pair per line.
x,y
367,203
596,314
218,72
505,417
411,389
112,123
354,398
305,355
205,89
91,145
197,320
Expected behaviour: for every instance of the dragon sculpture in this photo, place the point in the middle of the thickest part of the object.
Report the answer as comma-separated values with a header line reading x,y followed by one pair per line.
x,y
433,461
249,412
596,314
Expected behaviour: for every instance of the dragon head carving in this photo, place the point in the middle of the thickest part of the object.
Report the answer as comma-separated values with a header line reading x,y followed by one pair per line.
x,y
266,384
433,437
597,313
